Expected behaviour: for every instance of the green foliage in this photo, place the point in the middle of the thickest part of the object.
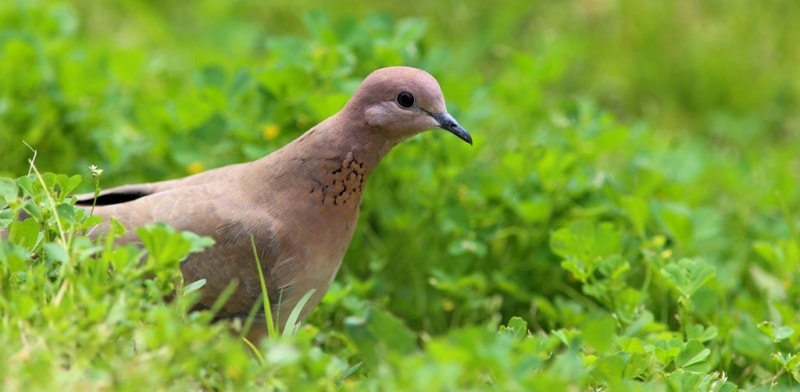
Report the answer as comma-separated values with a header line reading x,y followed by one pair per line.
x,y
625,221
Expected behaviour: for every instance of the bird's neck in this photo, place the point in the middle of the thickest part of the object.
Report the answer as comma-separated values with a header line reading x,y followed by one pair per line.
x,y
358,145
328,165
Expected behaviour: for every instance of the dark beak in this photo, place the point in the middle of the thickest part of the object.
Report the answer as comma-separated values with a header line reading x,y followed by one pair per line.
x,y
447,122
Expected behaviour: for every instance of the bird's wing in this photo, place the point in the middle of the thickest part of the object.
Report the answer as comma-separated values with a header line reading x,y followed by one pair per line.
x,y
206,209
120,194
127,193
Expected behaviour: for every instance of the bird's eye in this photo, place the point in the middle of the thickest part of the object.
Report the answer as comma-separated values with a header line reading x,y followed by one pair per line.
x,y
405,99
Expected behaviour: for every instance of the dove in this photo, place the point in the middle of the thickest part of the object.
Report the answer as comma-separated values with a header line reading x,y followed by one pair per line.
x,y
299,204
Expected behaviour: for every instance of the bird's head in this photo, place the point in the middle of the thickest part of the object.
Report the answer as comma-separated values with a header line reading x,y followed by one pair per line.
x,y
403,101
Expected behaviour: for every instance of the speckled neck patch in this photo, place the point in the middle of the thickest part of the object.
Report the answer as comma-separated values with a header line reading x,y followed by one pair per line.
x,y
343,184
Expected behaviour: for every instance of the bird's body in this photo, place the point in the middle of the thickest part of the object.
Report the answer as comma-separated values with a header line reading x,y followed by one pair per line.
x,y
299,204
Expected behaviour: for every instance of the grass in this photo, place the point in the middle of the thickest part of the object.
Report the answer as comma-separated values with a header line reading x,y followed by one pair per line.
x,y
626,219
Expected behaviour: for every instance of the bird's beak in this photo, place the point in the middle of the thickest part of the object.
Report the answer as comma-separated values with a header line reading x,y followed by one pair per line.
x,y
447,122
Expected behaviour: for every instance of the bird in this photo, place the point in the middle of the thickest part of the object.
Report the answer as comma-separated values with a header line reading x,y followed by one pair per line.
x,y
298,205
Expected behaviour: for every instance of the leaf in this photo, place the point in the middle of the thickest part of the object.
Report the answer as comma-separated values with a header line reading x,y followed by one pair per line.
x,y
27,233
747,340
666,350
692,353
66,211
583,245
688,275
347,373
781,254
771,285
26,183
676,219
609,368
517,327
194,286
33,210
600,333
535,210
72,183
166,245
409,30
378,334
6,217
13,257
62,184
630,345
776,333
699,333
638,212
293,323
56,251
8,190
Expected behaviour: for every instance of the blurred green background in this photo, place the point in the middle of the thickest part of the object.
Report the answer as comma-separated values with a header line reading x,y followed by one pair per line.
x,y
674,122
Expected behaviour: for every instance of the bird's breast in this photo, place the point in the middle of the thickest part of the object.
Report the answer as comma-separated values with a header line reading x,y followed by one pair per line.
x,y
340,184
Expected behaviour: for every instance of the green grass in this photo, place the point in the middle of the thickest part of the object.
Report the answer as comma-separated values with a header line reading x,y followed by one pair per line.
x,y
627,218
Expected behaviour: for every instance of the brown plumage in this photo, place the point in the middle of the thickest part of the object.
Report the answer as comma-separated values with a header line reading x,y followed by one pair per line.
x,y
299,203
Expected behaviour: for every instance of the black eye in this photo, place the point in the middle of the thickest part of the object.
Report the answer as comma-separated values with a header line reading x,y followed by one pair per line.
x,y
405,99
